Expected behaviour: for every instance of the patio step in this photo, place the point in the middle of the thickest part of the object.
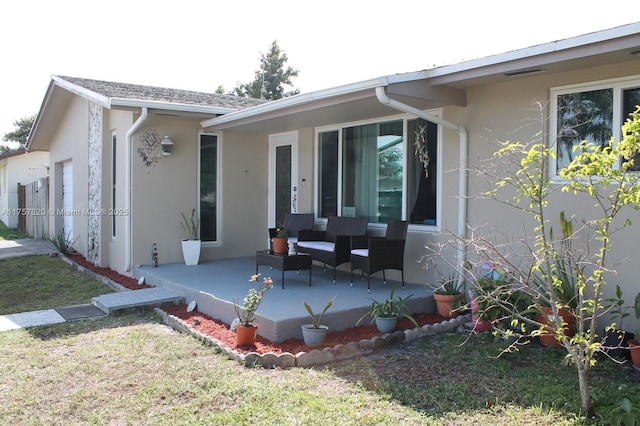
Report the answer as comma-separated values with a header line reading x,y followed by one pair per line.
x,y
155,296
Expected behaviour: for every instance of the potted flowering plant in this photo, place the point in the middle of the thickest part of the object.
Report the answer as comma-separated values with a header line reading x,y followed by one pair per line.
x,y
281,240
246,329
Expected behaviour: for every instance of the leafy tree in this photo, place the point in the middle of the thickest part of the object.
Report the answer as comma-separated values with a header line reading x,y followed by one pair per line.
x,y
548,270
271,79
19,135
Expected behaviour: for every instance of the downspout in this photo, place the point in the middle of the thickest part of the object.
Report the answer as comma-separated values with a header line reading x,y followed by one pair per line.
x,y
127,187
462,171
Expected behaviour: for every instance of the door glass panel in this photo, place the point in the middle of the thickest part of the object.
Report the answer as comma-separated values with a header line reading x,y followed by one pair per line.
x,y
283,182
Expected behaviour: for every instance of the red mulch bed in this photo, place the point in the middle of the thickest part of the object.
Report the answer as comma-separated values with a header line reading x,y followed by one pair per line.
x,y
128,282
220,331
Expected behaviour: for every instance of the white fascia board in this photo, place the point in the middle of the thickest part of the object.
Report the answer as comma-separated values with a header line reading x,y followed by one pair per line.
x,y
81,91
294,101
168,106
537,50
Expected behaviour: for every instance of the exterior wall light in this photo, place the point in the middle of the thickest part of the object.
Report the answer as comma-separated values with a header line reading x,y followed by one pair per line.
x,y
166,144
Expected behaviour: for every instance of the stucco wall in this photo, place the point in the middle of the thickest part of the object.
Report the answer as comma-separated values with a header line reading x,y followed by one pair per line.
x,y
70,143
165,190
113,249
19,169
507,112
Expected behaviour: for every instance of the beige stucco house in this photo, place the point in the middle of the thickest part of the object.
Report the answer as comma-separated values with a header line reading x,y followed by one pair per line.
x,y
18,167
345,150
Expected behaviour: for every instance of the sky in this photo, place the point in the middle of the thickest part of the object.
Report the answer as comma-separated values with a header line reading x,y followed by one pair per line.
x,y
201,44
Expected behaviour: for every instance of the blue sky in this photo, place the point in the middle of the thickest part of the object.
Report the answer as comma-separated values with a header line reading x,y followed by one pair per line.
x,y
198,44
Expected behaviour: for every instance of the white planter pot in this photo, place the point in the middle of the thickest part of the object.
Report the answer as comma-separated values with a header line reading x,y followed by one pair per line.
x,y
386,325
191,251
314,336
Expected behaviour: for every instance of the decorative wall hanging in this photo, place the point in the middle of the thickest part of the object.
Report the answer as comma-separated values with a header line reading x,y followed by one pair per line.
x,y
150,150
421,149
153,148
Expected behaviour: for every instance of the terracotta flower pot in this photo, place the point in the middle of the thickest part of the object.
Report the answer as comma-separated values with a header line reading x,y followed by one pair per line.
x,y
447,304
479,324
280,245
246,336
569,328
634,348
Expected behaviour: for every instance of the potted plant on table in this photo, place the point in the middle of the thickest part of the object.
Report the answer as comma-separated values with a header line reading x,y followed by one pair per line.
x,y
191,244
246,330
386,313
281,240
315,333
449,296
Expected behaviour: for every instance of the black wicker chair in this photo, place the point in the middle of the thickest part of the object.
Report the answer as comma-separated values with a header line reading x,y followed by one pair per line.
x,y
333,246
371,255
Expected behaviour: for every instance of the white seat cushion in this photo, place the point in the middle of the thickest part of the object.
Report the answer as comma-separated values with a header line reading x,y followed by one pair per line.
x,y
360,252
293,240
318,245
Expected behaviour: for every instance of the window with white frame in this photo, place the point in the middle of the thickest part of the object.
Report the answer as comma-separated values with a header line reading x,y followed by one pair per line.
x,y
372,170
208,181
593,113
114,169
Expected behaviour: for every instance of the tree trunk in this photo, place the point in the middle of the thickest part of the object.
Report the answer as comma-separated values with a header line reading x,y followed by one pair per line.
x,y
583,378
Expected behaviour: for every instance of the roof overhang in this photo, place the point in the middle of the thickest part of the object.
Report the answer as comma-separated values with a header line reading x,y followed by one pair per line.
x,y
433,88
60,93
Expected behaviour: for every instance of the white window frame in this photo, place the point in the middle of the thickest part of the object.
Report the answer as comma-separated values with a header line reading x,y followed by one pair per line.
x,y
114,186
617,85
219,197
408,150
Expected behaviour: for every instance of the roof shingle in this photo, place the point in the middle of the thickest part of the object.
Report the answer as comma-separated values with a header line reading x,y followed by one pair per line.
x,y
161,94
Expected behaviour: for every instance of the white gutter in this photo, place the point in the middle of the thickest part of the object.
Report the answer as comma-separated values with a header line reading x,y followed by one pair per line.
x,y
127,188
462,171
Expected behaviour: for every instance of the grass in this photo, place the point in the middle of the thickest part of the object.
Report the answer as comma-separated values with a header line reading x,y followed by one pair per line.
x,y
130,369
10,234
42,282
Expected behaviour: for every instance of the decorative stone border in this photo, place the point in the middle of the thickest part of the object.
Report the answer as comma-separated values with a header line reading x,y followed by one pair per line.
x,y
316,356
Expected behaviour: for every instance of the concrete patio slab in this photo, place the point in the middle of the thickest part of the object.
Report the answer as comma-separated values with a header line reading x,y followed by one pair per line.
x,y
215,285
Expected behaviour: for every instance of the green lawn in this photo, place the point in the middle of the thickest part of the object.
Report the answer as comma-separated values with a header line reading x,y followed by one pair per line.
x,y
42,282
9,234
130,369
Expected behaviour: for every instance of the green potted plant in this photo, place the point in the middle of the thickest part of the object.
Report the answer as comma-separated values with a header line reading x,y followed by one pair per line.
x,y
246,330
281,240
190,244
386,313
448,295
314,334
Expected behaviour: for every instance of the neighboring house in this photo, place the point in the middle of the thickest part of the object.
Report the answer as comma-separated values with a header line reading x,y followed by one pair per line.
x,y
346,150
18,168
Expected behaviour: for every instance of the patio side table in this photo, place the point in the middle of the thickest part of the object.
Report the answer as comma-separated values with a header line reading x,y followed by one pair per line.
x,y
284,262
